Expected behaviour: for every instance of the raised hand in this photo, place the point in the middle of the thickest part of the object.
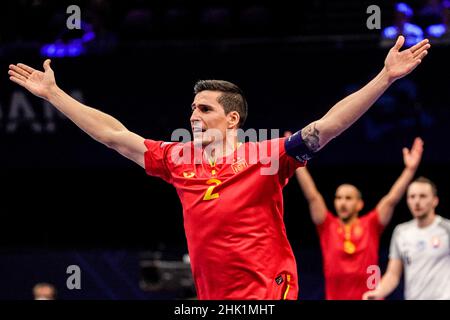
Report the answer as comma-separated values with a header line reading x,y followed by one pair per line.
x,y
37,82
400,63
412,157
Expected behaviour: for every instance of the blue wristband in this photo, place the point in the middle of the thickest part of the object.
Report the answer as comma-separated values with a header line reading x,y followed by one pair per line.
x,y
296,148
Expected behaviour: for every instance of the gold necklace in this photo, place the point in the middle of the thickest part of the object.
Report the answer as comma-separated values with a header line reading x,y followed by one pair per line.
x,y
212,160
349,246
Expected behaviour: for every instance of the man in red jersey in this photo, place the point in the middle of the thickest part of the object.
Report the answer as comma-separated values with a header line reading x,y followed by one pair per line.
x,y
231,198
349,243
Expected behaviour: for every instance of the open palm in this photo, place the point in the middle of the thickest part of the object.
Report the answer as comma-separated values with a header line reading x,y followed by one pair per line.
x,y
400,63
412,157
37,82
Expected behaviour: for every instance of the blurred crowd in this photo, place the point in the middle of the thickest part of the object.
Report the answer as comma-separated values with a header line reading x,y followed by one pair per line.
x,y
139,20
432,21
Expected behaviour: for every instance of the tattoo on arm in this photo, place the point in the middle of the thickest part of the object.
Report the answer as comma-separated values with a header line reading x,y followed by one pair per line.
x,y
310,136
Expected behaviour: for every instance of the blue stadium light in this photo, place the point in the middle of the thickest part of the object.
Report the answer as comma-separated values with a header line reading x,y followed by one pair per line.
x,y
74,48
88,36
60,50
436,30
405,9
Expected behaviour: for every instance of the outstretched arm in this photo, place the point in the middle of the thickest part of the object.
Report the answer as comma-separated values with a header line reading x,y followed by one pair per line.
x,y
389,281
100,126
411,158
342,115
317,207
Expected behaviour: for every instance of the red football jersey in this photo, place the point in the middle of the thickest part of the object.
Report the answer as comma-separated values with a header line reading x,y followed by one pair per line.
x,y
347,253
233,218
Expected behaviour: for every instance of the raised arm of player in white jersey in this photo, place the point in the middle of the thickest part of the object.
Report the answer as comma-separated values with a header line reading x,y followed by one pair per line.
x,y
99,125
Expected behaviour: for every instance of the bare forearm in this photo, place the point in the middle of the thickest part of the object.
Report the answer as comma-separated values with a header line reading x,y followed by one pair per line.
x,y
345,112
388,284
399,188
307,184
95,123
317,206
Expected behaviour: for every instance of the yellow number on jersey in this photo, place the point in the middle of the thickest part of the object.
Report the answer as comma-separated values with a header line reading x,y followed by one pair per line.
x,y
209,195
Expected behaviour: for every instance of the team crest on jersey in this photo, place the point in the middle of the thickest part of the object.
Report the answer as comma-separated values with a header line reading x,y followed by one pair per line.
x,y
188,174
420,246
239,165
436,242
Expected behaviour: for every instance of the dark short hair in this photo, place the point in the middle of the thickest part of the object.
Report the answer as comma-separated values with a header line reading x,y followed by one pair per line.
x,y
231,99
428,181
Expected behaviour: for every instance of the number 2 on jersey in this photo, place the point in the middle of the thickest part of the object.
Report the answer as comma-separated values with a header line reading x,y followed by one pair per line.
x,y
209,195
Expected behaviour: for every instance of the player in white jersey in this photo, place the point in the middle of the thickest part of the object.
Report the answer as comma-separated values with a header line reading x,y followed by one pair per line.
x,y
421,247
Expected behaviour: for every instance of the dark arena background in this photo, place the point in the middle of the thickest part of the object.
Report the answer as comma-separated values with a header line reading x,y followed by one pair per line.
x,y
67,200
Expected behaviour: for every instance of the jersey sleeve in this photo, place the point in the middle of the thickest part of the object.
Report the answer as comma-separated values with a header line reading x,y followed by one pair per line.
x,y
156,159
325,225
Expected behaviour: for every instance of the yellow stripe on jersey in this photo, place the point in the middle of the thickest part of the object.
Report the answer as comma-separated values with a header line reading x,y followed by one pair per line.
x,y
288,279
